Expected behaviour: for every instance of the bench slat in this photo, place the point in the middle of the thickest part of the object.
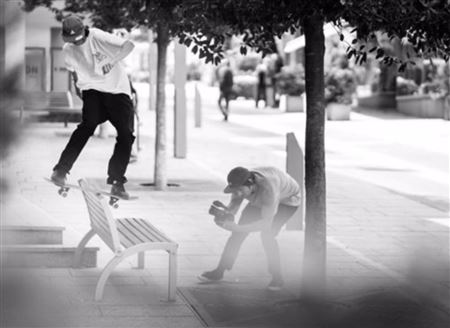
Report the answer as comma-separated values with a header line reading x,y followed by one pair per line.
x,y
96,211
104,235
101,219
148,227
98,217
129,234
149,233
140,235
136,228
124,241
101,225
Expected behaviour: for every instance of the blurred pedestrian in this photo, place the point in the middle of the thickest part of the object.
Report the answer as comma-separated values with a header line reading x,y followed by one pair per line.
x,y
225,88
273,197
276,64
135,122
94,58
261,74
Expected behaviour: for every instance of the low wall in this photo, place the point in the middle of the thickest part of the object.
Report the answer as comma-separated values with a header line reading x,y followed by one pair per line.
x,y
421,106
384,101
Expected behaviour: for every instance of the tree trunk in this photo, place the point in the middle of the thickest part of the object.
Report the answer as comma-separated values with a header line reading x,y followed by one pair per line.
x,y
160,176
314,265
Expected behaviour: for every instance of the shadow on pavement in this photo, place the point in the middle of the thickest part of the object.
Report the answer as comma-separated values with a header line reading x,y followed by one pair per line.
x,y
234,305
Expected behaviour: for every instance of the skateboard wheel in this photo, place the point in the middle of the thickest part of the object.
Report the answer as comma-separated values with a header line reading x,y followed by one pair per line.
x,y
64,194
115,205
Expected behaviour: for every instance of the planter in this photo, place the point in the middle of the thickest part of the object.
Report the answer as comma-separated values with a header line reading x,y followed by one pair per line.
x,y
421,106
338,112
292,103
382,100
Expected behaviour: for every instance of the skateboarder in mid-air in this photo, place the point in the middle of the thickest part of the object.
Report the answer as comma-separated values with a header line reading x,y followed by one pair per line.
x,y
273,197
94,59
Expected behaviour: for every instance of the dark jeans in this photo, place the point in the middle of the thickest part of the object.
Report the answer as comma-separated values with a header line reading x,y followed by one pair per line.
x,y
270,244
261,95
225,94
99,107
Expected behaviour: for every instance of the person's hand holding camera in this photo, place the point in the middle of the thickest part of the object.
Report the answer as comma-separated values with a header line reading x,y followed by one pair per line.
x,y
221,213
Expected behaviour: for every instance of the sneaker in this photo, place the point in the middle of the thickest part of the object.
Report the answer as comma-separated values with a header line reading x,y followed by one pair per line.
x,y
119,190
133,158
59,177
214,275
276,284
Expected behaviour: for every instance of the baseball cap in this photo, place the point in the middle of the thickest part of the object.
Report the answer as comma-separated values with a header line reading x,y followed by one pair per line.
x,y
236,178
72,29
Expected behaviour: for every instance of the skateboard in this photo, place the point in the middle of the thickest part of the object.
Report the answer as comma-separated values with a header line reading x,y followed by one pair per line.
x,y
63,188
113,199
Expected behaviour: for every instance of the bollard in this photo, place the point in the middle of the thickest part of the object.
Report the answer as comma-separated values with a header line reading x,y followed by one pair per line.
x,y
198,108
295,168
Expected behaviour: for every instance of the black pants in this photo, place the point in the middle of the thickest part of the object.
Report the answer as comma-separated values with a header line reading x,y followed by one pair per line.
x,y
251,214
261,95
225,94
99,107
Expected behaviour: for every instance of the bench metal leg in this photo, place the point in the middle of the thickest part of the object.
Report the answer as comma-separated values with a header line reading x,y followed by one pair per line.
x,y
141,260
138,249
105,275
80,248
172,275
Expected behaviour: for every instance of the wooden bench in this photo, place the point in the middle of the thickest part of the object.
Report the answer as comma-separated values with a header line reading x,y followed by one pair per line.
x,y
125,237
54,103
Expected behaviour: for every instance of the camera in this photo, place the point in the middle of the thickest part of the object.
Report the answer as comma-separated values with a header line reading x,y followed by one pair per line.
x,y
220,212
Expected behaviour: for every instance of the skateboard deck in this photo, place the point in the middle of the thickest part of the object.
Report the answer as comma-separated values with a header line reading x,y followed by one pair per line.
x,y
63,188
113,199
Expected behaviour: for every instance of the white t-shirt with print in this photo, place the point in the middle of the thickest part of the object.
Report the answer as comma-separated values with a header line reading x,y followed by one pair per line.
x,y
87,60
275,187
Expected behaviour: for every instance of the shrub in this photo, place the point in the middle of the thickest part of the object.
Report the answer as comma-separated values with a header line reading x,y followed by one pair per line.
x,y
406,87
244,86
247,63
340,84
431,87
291,80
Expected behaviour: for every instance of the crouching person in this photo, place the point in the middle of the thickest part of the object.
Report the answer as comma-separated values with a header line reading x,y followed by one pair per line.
x,y
273,197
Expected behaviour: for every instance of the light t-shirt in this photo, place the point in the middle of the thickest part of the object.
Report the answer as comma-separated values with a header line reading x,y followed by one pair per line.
x,y
88,59
275,187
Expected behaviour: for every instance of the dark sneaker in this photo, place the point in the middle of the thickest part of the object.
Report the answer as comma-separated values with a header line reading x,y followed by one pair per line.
x,y
214,275
276,284
118,190
59,177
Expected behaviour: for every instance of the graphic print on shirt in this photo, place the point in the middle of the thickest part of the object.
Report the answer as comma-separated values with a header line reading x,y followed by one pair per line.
x,y
99,57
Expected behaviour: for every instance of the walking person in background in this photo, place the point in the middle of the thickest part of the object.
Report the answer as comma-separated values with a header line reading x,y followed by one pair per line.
x,y
225,88
135,122
273,197
261,74
94,58
276,64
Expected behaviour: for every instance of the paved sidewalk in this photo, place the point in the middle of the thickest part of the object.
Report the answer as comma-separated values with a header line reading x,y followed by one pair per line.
x,y
378,240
